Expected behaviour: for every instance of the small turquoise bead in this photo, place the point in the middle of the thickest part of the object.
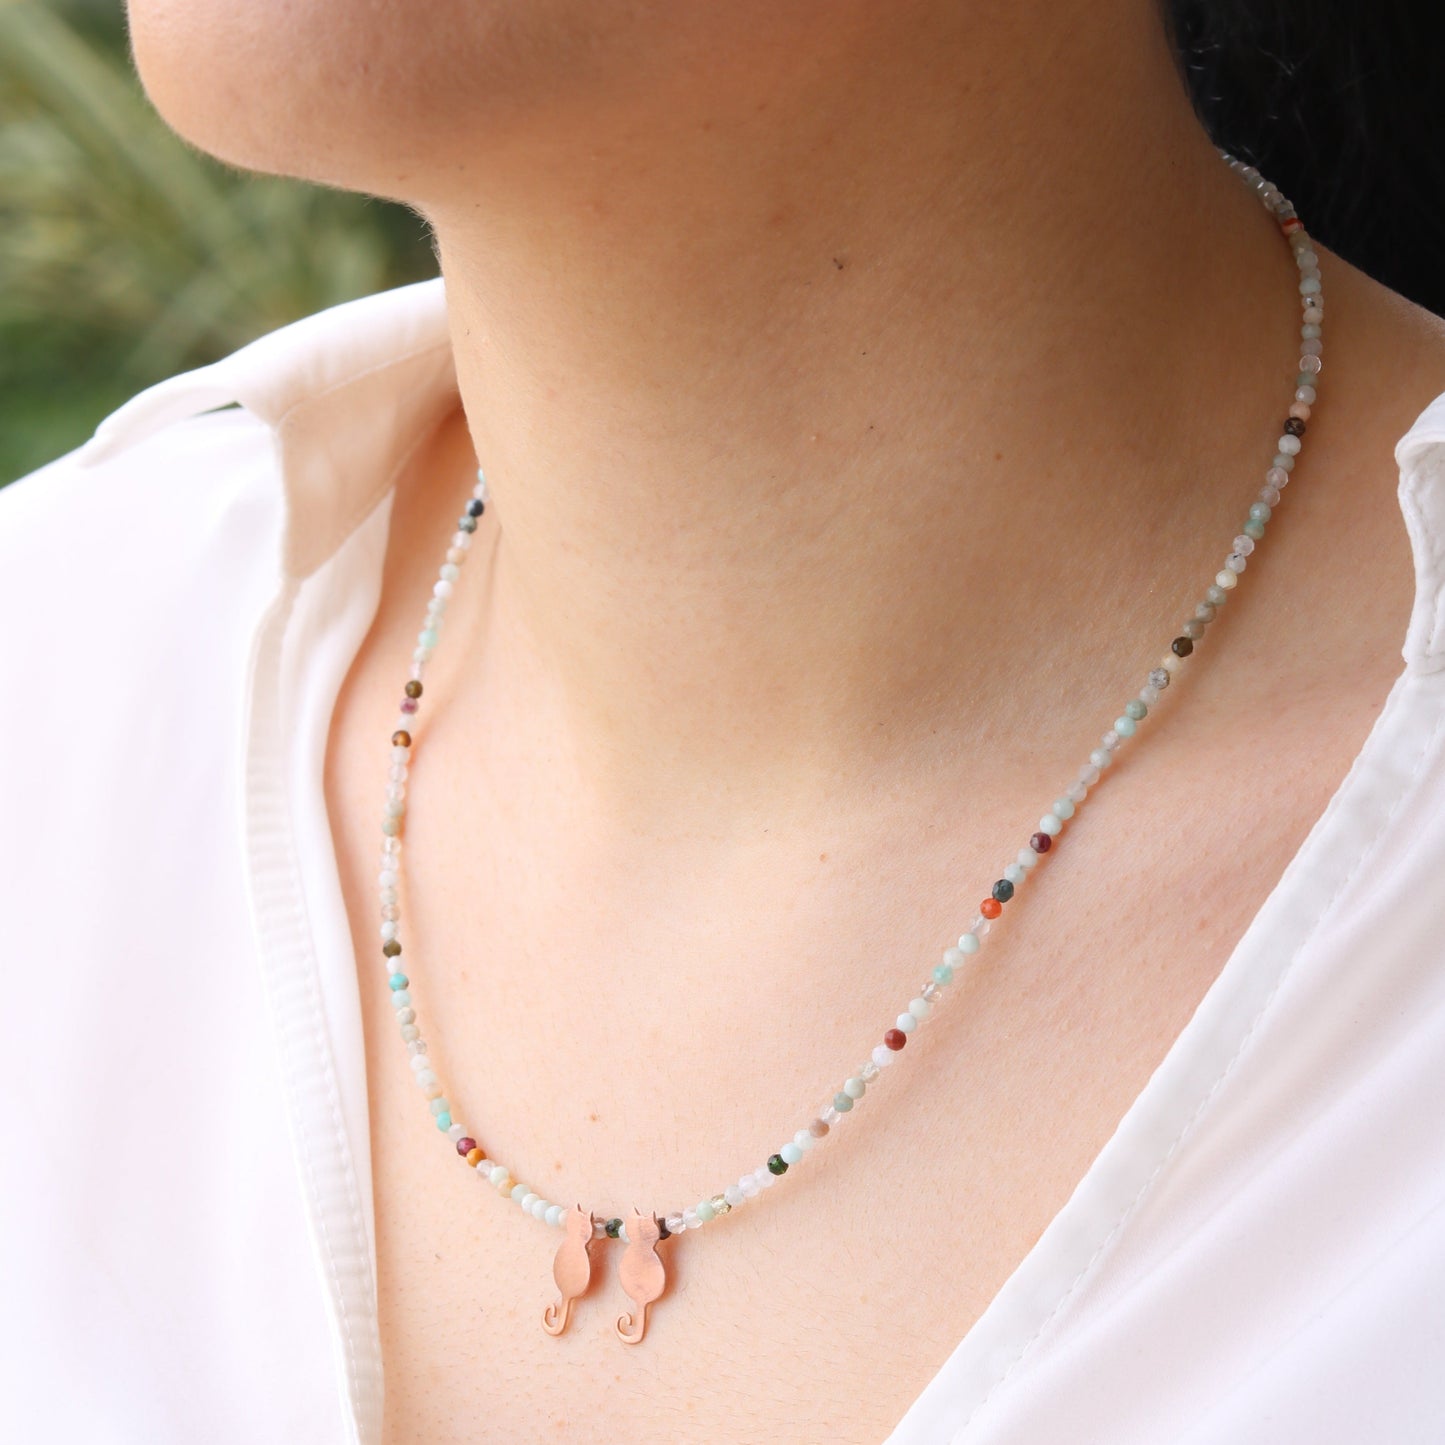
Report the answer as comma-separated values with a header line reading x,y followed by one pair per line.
x,y
444,1121
943,973
841,1102
398,980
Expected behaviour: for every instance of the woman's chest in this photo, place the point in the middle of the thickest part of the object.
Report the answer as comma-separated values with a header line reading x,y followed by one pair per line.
x,y
579,1044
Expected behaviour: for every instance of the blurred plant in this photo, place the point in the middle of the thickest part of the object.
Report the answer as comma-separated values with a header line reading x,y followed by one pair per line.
x,y
125,254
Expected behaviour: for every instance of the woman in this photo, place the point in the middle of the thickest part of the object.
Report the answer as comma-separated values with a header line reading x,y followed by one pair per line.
x,y
866,397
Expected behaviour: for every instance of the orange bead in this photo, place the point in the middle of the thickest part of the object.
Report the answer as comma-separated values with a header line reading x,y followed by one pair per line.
x,y
990,908
474,1156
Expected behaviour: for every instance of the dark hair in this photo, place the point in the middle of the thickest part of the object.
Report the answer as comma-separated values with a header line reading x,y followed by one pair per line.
x,y
1342,105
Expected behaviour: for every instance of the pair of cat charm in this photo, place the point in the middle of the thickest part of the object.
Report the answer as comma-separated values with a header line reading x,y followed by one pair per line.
x,y
640,1270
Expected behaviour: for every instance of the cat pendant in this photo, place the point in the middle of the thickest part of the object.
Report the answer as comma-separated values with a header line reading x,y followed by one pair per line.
x,y
640,1271
572,1268
641,1274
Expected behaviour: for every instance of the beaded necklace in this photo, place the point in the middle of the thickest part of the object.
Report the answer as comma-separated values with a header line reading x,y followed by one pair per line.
x,y
640,1269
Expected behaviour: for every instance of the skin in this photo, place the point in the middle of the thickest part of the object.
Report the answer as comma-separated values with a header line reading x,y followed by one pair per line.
x,y
867,395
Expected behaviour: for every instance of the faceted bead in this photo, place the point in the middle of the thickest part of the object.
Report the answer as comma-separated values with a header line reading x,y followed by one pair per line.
x,y
1042,842
778,1165
465,1146
613,1228
990,908
1193,630
842,1103
1136,710
1159,678
1182,646
401,739
1294,427
1003,890
818,1129
895,1039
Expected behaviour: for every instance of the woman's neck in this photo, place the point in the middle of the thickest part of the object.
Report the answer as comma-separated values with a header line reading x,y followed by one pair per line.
x,y
865,409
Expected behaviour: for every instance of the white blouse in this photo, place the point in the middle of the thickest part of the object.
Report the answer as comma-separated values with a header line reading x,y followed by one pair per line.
x,y
1256,1257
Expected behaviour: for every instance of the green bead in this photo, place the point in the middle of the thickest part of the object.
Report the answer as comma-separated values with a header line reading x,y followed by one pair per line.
x,y
841,1102
613,1228
1254,528
778,1165
444,1121
1260,512
855,1088
1137,709
1124,725
943,973
705,1211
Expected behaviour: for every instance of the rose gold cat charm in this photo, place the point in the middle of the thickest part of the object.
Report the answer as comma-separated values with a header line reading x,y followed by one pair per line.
x,y
641,1273
572,1269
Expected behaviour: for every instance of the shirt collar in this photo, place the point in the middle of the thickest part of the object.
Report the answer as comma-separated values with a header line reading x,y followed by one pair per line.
x,y
348,393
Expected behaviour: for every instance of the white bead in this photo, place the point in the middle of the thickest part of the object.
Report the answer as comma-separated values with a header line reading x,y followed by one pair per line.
x,y
1015,873
804,1140
734,1195
1028,858
554,1216
882,1056
388,930
498,1175
1051,825
750,1187
920,1008
906,1023
426,1079
450,572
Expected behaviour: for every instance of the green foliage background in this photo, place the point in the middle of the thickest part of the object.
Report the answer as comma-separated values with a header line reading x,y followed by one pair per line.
x,y
125,254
